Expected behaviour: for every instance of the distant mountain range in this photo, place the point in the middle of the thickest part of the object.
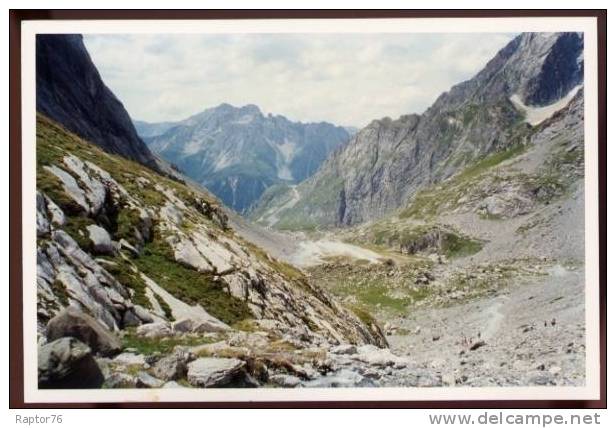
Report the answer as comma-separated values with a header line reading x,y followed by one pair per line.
x,y
238,152
148,130
388,161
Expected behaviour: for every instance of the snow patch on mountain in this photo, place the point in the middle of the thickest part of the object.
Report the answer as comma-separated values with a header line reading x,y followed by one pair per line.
x,y
192,147
536,115
244,120
284,173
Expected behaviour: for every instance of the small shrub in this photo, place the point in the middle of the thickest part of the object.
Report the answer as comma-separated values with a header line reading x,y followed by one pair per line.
x,y
76,227
165,307
122,270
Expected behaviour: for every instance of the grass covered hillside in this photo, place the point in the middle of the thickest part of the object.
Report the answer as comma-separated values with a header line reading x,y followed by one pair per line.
x,y
155,263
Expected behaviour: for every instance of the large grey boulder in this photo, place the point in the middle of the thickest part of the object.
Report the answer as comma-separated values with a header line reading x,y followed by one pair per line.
x,y
284,380
201,323
101,241
171,367
215,372
184,325
120,380
379,357
129,359
145,380
211,325
67,363
73,323
71,186
154,330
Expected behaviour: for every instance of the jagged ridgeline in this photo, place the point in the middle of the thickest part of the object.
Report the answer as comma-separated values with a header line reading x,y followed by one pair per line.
x,y
239,152
387,162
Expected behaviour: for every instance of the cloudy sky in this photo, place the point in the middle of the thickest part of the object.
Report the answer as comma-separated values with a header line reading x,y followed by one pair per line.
x,y
347,79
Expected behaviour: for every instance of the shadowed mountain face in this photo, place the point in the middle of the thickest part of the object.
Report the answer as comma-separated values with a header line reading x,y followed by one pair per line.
x,y
70,91
238,153
388,161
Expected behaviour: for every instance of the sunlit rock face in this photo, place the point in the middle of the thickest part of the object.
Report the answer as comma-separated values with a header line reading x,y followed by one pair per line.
x,y
388,161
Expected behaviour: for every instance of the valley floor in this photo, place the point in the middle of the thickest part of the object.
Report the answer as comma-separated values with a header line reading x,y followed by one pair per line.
x,y
480,320
531,333
479,282
511,314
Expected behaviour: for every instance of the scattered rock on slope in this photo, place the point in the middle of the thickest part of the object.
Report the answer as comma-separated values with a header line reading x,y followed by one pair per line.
x,y
101,241
148,291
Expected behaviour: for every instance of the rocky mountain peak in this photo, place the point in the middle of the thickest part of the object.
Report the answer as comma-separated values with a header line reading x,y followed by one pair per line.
x,y
226,108
224,113
540,67
251,108
238,153
388,161
561,71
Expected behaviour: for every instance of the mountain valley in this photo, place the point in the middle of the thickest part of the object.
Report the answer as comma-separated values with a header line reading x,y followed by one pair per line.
x,y
437,250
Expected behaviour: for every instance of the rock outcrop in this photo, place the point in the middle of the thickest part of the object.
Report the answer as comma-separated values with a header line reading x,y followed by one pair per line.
x,y
74,323
216,372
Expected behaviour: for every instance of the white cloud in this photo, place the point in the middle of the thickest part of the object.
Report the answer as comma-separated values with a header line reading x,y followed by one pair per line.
x,y
347,79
